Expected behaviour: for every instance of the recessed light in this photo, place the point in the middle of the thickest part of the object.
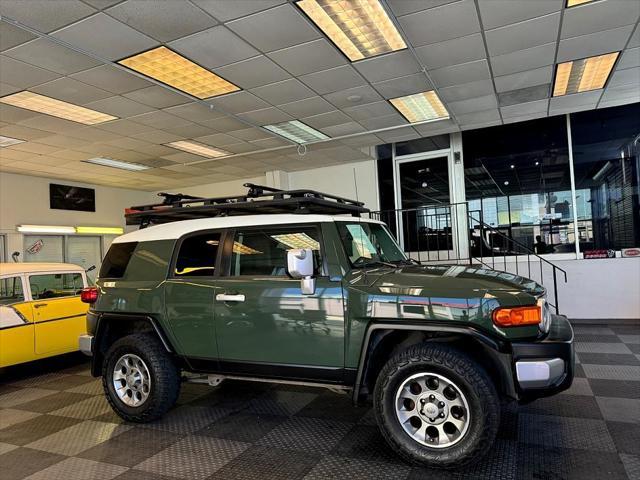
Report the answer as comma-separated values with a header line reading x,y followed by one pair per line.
x,y
198,149
168,67
110,162
8,141
506,182
420,107
297,131
573,3
56,108
512,166
360,29
583,75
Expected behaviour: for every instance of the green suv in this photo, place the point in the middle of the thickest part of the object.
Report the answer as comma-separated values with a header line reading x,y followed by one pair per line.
x,y
323,300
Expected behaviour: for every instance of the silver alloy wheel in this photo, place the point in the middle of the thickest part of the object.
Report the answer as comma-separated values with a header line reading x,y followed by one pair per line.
x,y
131,380
432,410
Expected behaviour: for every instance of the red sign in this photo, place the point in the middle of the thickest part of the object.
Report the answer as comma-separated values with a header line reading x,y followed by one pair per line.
x,y
600,254
631,252
36,247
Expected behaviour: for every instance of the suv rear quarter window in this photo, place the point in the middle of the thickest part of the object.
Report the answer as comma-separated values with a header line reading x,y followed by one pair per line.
x,y
115,263
138,261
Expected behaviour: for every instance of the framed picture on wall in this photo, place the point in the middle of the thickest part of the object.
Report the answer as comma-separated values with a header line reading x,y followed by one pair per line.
x,y
68,197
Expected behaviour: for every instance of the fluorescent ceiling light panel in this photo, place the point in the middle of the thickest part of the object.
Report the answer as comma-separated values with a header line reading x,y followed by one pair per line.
x,y
573,3
56,108
583,75
297,131
110,162
101,230
8,141
297,240
198,149
360,28
45,229
241,249
172,69
420,107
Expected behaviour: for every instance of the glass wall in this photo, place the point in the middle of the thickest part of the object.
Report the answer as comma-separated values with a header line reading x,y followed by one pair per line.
x,y
518,181
606,145
85,251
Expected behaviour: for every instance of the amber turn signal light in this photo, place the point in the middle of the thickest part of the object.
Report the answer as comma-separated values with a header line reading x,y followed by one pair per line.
x,y
517,316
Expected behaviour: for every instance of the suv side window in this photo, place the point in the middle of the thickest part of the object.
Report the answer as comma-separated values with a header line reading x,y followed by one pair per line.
x,y
197,255
115,263
263,252
54,285
11,290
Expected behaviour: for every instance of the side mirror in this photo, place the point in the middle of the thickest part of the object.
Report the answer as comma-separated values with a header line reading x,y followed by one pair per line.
x,y
300,265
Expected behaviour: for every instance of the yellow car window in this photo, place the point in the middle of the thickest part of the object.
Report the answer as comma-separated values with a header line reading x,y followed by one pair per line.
x,y
54,285
11,290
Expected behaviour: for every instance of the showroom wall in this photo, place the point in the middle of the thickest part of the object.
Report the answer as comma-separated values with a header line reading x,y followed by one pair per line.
x,y
25,200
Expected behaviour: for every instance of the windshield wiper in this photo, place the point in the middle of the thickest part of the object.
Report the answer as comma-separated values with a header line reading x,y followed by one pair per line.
x,y
359,263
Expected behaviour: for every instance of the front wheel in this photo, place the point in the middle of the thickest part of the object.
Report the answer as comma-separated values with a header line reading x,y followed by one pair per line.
x,y
139,378
436,407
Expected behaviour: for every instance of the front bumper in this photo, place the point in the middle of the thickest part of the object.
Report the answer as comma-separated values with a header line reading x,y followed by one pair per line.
x,y
86,344
545,367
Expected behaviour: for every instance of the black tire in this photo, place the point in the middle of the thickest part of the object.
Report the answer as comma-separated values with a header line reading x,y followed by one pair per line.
x,y
468,376
164,374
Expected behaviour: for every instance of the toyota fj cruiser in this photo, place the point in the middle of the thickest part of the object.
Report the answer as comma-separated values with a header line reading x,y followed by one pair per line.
x,y
282,286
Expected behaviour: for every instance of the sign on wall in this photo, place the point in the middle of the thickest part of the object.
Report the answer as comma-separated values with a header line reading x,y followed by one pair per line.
x,y
631,252
600,254
68,197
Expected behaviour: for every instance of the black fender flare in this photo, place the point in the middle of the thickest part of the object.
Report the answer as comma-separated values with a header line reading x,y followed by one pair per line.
x,y
498,348
104,320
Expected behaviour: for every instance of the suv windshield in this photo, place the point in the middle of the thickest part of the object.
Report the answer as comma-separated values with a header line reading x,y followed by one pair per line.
x,y
369,244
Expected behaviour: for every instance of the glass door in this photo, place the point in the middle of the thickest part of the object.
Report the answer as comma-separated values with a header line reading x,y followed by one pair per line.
x,y
423,200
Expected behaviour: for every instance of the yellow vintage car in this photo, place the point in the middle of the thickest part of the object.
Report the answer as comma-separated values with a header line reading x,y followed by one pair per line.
x,y
41,314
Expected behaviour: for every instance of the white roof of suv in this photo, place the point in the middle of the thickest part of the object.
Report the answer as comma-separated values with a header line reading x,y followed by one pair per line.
x,y
175,230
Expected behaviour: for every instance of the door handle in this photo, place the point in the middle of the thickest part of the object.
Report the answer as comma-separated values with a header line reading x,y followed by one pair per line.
x,y
223,297
38,305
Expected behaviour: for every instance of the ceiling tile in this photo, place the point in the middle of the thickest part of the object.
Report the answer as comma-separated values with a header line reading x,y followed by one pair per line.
x,y
441,23
157,136
119,106
253,72
399,87
11,114
101,4
391,65
196,112
353,96
629,76
224,124
265,30
596,16
479,118
398,135
459,74
105,36
70,90
249,134
498,13
437,127
24,132
308,57
217,139
243,147
158,119
471,105
523,35
307,107
283,92
620,95
522,60
334,79
111,79
577,101
156,96
23,75
50,124
45,54
634,41
266,116
11,36
466,90
370,110
404,7
326,119
529,78
348,128
368,140
162,20
214,47
524,95
593,44
523,118
239,102
630,58
188,130
224,10
387,121
125,127
452,52
45,15
519,109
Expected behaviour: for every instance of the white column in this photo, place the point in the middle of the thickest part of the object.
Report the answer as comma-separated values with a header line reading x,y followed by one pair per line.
x,y
457,194
574,200
277,179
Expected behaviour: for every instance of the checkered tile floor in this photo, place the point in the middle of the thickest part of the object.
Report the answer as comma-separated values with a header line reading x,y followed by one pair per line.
x,y
55,424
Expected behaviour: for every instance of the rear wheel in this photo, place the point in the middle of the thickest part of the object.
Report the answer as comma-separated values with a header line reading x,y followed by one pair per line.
x,y
435,406
140,378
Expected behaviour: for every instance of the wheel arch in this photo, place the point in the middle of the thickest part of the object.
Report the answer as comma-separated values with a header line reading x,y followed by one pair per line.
x,y
383,340
110,327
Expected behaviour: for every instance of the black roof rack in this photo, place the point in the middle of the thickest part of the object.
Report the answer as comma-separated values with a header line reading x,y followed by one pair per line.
x,y
258,200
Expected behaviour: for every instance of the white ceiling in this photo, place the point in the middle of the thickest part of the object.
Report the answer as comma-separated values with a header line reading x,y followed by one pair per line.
x,y
490,61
